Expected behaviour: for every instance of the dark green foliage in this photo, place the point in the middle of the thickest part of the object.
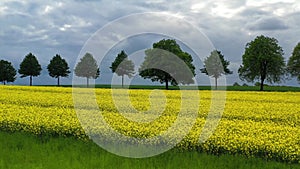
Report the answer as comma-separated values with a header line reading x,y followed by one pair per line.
x,y
244,87
236,84
87,67
263,60
161,65
259,84
293,66
30,67
122,66
215,65
256,84
58,67
7,72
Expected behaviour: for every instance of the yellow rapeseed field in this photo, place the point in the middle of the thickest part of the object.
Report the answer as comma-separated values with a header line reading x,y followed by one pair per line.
x,y
265,124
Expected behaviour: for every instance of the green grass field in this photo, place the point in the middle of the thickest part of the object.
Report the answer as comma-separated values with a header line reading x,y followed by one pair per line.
x,y
26,151
229,88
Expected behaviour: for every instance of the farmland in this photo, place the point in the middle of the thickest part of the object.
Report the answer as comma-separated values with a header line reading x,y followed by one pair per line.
x,y
257,124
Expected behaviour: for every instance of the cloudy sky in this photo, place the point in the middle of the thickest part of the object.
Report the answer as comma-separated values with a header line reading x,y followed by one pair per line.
x,y
46,28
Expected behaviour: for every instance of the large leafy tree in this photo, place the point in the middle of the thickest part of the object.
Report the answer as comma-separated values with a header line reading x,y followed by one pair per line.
x,y
58,67
88,68
122,66
7,72
215,65
293,66
160,64
30,67
263,60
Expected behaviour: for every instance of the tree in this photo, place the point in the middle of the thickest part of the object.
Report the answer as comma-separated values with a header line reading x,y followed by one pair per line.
x,y
160,57
215,65
30,67
58,67
122,66
236,84
88,68
7,72
262,60
293,66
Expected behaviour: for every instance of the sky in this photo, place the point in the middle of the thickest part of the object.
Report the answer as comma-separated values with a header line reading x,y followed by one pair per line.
x,y
68,28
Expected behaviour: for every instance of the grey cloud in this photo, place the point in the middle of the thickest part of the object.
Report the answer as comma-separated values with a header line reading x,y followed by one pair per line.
x,y
253,13
236,3
293,20
267,24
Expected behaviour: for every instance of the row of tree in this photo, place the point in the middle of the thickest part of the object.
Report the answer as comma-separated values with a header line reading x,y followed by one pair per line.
x,y
30,66
263,60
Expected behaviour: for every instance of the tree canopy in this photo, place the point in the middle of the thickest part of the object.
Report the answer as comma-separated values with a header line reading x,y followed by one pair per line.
x,y
262,60
30,67
122,66
215,65
166,62
293,66
7,72
87,67
58,67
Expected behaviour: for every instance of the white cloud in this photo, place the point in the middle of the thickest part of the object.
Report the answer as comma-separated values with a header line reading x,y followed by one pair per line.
x,y
65,27
259,3
54,6
277,7
223,10
48,9
3,10
196,8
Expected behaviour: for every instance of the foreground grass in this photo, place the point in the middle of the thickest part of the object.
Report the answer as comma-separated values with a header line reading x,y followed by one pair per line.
x,y
26,151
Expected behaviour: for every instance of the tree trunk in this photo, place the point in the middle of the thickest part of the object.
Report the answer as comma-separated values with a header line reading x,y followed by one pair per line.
x,y
58,81
87,82
122,81
263,75
167,81
167,84
216,83
262,84
30,80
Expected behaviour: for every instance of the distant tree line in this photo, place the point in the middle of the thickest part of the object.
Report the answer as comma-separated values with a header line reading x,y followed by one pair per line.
x,y
262,62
